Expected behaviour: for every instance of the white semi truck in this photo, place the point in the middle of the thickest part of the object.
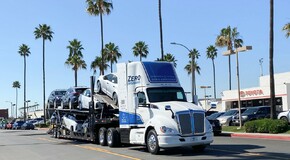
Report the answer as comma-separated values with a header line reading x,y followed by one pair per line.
x,y
152,111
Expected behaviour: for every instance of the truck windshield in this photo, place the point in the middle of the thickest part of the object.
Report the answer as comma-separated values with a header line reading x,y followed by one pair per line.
x,y
166,94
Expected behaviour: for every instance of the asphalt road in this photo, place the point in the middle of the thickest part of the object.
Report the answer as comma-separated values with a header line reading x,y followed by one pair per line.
x,y
37,145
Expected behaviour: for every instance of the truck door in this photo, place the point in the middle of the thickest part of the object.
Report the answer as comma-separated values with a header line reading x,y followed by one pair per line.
x,y
143,109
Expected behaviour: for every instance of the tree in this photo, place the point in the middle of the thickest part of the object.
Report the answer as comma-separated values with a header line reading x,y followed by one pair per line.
x,y
112,54
43,31
140,49
97,63
211,53
193,55
75,57
169,58
100,8
271,61
286,28
160,28
24,51
196,69
16,85
229,38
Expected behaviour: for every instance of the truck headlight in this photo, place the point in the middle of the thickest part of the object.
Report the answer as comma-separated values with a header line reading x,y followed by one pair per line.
x,y
165,129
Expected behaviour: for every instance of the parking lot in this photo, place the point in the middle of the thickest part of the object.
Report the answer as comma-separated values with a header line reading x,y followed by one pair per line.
x,y
36,144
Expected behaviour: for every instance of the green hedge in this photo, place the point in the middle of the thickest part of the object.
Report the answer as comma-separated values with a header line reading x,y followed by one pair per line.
x,y
266,126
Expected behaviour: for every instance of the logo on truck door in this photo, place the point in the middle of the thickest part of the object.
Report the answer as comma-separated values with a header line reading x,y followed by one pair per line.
x,y
134,79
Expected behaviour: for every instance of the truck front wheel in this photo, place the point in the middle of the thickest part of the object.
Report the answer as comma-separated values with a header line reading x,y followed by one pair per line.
x,y
152,142
103,136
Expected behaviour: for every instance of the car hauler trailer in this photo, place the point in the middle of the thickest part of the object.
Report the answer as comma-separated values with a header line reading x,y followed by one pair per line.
x,y
152,111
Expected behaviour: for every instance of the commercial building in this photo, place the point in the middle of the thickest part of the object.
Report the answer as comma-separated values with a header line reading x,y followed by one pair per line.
x,y
3,113
260,96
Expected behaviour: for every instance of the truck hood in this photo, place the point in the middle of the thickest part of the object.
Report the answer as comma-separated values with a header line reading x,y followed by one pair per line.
x,y
178,106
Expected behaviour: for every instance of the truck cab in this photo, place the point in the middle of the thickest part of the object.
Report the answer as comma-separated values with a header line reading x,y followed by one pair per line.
x,y
154,111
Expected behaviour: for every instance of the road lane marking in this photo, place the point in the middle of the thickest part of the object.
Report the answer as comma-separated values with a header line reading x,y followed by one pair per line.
x,y
45,139
95,149
248,153
107,151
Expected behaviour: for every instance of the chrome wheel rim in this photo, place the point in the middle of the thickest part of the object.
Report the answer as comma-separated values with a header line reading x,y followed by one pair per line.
x,y
152,142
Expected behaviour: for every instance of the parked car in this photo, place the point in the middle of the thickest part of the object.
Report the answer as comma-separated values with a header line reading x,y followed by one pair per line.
x,y
71,98
227,118
54,99
17,124
9,125
284,116
3,124
108,84
215,123
27,125
253,113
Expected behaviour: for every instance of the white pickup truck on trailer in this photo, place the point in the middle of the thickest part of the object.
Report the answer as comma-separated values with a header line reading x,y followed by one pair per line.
x,y
152,111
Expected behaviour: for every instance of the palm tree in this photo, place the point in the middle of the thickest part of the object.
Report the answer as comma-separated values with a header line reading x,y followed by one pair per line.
x,y
97,63
196,69
24,51
286,28
193,55
43,31
229,38
140,49
16,85
169,58
211,53
195,65
160,27
271,59
112,54
75,57
99,8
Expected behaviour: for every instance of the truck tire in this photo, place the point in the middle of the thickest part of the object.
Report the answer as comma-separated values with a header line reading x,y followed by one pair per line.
x,y
152,142
113,137
199,148
103,136
284,119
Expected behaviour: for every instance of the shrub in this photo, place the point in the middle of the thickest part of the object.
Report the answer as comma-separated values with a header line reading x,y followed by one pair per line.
x,y
266,126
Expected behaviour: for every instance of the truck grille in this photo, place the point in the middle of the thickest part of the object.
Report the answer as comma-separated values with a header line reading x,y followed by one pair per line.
x,y
191,123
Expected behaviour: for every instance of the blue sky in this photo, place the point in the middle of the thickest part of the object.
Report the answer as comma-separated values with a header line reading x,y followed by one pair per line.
x,y
192,23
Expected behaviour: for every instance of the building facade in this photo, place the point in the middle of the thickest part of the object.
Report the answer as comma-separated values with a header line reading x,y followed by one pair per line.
x,y
260,96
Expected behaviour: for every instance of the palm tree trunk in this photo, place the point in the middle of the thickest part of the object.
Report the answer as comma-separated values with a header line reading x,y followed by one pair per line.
x,y
140,58
43,71
24,113
76,77
161,32
111,67
230,74
102,42
271,58
214,87
16,103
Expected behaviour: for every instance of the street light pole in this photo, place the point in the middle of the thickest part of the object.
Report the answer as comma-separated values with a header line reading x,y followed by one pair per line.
x,y
26,109
227,53
192,71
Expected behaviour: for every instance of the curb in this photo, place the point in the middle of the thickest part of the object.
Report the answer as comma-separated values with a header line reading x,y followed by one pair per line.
x,y
285,137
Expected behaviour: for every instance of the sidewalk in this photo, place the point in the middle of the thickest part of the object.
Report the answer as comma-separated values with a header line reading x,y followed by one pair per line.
x,y
285,137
